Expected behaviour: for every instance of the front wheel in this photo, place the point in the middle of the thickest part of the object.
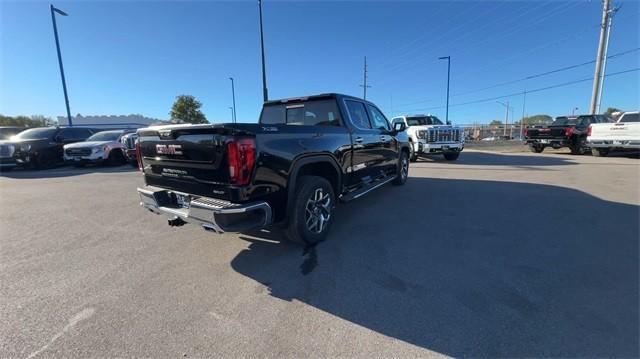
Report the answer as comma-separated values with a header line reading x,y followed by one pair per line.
x,y
413,156
311,214
403,169
451,156
116,158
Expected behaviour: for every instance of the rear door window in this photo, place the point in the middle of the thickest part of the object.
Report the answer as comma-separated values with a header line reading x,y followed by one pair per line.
x,y
358,114
377,118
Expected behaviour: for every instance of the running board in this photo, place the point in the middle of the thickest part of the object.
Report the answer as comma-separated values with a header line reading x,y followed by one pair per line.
x,y
366,189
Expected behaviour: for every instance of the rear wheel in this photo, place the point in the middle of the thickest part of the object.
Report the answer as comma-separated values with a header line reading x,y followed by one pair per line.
x,y
600,152
578,147
536,149
310,216
403,169
451,156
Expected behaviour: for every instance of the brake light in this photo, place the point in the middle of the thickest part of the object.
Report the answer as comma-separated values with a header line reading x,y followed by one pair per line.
x,y
589,131
138,155
241,155
568,132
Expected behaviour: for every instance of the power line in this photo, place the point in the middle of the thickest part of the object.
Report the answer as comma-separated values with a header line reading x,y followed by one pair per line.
x,y
529,77
527,91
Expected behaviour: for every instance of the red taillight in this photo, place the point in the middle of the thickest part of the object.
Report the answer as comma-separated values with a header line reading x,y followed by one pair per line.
x,y
138,155
589,131
241,155
568,132
526,132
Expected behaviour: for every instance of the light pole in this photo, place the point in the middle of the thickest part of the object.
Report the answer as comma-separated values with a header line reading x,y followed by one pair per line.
x,y
506,119
573,110
265,93
448,58
233,95
232,113
64,82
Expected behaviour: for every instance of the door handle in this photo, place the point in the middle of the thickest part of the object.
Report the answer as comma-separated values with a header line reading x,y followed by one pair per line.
x,y
383,138
359,139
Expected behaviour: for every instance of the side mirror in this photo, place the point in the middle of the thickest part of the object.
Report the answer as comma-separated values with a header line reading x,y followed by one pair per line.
x,y
399,127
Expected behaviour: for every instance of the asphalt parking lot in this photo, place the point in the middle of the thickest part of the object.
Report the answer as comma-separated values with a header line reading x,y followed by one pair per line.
x,y
514,255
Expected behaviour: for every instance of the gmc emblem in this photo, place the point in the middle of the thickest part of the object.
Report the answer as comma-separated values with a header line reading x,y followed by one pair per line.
x,y
169,149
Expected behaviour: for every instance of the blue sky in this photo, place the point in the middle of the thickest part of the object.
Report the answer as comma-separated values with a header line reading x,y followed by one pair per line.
x,y
135,57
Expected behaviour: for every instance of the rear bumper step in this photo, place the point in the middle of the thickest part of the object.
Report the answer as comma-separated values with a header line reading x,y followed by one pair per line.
x,y
212,214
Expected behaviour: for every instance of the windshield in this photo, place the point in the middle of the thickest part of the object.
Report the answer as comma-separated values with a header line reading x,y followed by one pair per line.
x,y
106,136
36,134
423,121
564,121
631,117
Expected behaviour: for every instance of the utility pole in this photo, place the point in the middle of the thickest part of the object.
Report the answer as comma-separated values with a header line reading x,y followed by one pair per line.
x,y
506,120
265,92
606,54
448,58
524,102
598,70
233,95
64,82
364,85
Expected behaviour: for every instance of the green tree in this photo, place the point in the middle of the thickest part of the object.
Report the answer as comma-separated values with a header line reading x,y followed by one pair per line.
x,y
535,120
187,109
495,123
610,111
24,121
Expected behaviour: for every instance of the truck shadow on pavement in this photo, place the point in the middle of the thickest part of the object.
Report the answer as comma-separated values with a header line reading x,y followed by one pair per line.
x,y
494,159
478,268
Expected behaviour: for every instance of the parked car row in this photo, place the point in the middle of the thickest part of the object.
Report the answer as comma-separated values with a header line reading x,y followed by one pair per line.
x,y
597,134
46,147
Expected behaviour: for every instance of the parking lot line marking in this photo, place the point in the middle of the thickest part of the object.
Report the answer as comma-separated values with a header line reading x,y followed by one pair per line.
x,y
82,315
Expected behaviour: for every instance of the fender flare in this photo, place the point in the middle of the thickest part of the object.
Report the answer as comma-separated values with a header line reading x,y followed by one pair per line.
x,y
299,163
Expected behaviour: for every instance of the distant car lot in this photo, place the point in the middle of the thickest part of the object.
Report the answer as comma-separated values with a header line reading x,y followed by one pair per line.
x,y
532,255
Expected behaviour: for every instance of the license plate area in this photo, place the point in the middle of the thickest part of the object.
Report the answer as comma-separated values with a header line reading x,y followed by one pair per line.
x,y
182,201
544,141
445,148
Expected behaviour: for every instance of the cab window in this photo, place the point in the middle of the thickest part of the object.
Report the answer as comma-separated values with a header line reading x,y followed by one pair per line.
x,y
377,118
358,114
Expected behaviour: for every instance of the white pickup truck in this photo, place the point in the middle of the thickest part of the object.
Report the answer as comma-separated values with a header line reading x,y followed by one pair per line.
x,y
430,136
624,134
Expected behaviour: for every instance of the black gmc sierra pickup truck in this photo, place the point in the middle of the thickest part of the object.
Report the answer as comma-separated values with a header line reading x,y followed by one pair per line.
x,y
565,131
292,167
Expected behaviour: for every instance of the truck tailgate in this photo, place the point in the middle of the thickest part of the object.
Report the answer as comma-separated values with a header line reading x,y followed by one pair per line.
x,y
546,132
191,159
615,131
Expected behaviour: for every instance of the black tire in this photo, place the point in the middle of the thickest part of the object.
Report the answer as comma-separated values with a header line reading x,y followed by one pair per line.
x,y
116,158
536,149
451,156
403,169
577,149
600,152
311,214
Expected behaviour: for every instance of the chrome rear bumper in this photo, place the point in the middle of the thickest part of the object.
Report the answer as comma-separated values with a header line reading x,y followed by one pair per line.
x,y
213,214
